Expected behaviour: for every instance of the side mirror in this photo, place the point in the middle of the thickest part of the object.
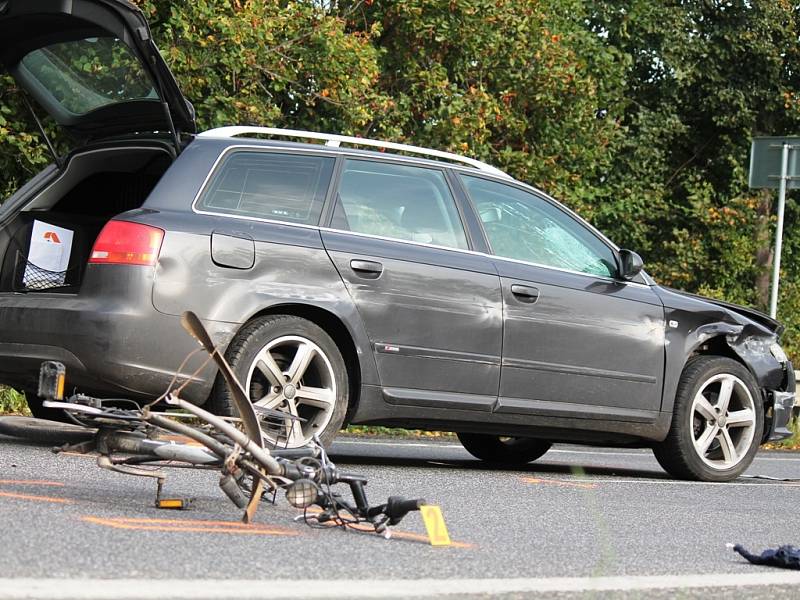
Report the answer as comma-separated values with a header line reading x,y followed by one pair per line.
x,y
630,264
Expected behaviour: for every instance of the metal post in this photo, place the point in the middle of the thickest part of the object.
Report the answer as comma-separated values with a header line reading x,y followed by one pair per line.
x,y
776,263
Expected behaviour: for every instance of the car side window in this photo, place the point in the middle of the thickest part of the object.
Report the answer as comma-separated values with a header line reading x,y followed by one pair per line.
x,y
267,185
523,226
398,201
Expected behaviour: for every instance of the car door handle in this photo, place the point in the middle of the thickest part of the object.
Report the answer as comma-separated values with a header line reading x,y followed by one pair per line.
x,y
525,293
367,268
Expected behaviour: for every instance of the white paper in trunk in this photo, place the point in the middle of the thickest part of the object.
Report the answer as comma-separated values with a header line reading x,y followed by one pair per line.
x,y
50,249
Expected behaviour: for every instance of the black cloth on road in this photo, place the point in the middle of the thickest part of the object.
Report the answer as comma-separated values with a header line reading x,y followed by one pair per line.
x,y
785,557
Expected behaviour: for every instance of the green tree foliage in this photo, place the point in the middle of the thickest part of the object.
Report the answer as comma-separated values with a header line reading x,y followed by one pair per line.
x,y
519,83
22,154
261,61
705,76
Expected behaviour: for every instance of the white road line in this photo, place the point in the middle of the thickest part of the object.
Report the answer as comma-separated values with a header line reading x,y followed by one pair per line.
x,y
179,589
399,444
793,458
602,480
387,443
613,480
647,454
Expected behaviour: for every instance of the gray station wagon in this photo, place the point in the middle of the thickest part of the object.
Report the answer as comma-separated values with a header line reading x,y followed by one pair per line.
x,y
407,287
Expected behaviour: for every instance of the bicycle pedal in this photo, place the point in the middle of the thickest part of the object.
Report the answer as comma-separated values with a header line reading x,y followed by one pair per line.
x,y
174,503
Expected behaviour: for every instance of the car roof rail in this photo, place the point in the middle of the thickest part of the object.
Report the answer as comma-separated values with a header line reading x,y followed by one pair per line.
x,y
335,140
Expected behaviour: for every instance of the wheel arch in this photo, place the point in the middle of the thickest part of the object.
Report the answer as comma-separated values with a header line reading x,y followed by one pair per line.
x,y
721,339
764,368
678,453
342,336
715,346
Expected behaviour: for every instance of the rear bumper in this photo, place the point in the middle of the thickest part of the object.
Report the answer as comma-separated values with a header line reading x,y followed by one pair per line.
x,y
110,337
783,403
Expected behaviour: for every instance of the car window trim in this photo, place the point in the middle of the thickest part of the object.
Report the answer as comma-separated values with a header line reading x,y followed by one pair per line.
x,y
572,272
475,229
406,161
329,207
269,150
337,154
424,245
485,255
399,241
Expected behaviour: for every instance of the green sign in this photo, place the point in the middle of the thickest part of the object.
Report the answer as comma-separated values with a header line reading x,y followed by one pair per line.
x,y
773,164
765,162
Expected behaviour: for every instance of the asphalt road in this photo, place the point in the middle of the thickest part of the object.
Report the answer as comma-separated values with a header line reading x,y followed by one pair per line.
x,y
580,522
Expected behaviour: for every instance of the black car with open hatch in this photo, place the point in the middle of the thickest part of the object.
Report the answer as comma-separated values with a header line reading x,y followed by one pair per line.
x,y
403,287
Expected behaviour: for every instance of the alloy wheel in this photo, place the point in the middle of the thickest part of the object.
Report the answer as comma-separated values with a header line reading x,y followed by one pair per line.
x,y
293,374
723,421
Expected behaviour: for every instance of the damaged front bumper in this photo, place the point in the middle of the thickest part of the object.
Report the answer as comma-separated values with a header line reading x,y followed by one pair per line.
x,y
783,403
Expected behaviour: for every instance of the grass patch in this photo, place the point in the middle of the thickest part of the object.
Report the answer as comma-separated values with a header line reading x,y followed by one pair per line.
x,y
395,432
12,402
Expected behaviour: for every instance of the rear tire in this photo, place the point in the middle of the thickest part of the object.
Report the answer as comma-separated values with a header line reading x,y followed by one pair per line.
x,y
717,423
48,432
289,364
501,449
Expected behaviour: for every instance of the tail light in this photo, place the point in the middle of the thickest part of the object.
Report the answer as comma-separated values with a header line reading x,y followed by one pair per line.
x,y
125,243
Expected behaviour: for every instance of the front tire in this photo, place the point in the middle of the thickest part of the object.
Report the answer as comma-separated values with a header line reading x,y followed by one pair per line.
x,y
717,422
502,449
289,364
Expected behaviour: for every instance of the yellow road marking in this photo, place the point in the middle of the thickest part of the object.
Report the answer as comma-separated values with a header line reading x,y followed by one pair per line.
x,y
30,482
35,498
404,535
148,520
189,525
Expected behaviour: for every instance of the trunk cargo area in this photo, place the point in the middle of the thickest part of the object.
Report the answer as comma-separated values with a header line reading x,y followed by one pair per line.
x,y
95,187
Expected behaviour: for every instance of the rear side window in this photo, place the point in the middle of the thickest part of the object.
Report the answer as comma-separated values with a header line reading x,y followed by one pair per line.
x,y
83,75
265,185
400,202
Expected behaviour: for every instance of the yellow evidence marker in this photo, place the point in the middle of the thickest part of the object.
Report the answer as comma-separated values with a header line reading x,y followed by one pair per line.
x,y
434,524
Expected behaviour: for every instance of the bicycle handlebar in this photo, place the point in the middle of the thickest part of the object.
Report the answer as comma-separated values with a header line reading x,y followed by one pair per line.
x,y
395,509
398,507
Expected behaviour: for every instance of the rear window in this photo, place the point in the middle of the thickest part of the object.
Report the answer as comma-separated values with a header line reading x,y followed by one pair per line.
x,y
265,185
83,75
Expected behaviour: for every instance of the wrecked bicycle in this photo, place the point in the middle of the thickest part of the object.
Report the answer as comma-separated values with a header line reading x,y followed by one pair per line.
x,y
139,440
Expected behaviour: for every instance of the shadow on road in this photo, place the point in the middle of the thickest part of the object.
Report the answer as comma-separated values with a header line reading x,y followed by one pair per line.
x,y
349,458
346,458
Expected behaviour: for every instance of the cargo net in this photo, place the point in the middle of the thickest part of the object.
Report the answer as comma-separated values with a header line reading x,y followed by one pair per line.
x,y
29,277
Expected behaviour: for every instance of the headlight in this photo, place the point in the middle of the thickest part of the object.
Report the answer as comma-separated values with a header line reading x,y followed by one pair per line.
x,y
778,353
758,344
